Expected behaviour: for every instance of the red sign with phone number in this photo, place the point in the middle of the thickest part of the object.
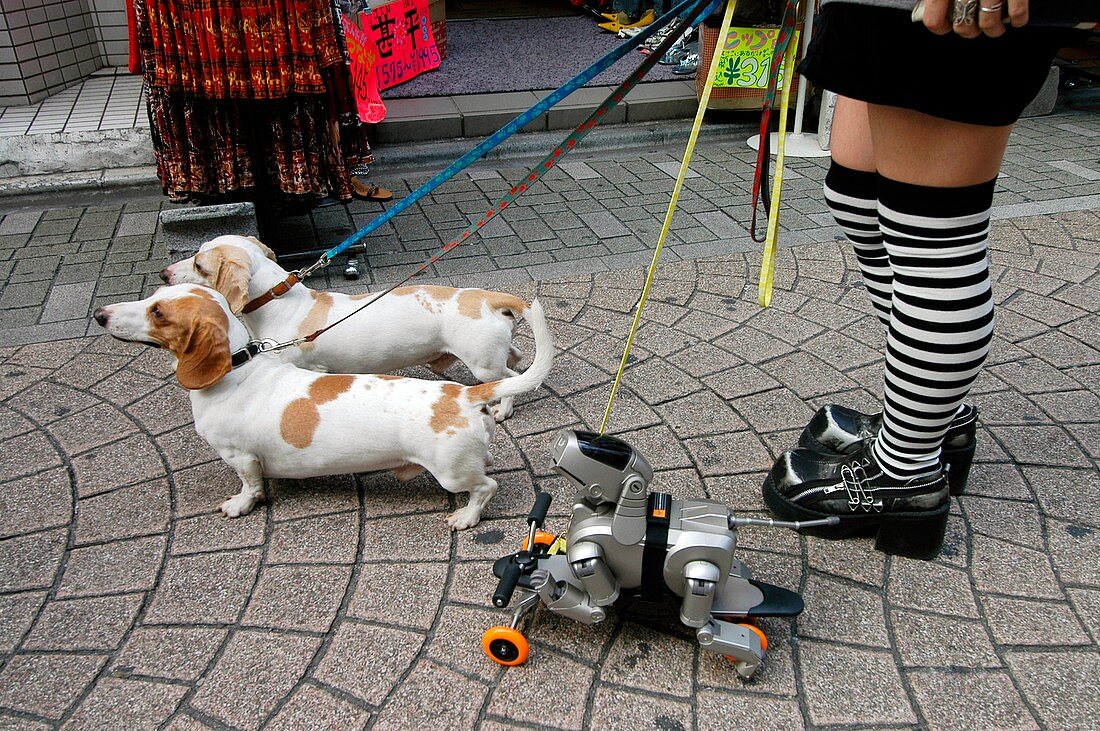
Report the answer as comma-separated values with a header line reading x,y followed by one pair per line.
x,y
388,46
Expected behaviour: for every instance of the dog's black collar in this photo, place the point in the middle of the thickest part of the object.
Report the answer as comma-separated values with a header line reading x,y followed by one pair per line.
x,y
247,353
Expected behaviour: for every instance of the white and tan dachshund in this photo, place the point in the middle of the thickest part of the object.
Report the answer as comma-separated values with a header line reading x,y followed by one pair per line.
x,y
410,326
266,417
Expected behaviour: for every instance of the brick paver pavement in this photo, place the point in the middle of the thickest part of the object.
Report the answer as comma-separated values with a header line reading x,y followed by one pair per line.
x,y
344,602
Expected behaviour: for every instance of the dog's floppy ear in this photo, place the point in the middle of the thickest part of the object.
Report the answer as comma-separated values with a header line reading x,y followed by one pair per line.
x,y
200,341
231,270
264,248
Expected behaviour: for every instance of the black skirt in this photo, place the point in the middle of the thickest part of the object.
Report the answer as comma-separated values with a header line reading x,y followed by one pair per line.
x,y
878,55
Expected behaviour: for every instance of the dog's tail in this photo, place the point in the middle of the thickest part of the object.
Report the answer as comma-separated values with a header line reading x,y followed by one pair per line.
x,y
531,378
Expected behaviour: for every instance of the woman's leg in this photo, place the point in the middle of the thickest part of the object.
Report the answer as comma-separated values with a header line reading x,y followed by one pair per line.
x,y
936,182
851,192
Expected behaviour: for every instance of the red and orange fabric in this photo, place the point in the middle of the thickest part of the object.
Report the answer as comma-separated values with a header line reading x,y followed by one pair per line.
x,y
240,49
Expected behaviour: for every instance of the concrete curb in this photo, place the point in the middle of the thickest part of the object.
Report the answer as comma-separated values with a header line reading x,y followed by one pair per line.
x,y
403,158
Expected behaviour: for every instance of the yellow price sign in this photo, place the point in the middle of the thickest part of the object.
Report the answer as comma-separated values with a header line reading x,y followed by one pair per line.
x,y
746,60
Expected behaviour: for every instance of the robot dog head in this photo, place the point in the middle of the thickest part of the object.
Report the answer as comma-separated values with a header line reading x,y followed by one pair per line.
x,y
600,466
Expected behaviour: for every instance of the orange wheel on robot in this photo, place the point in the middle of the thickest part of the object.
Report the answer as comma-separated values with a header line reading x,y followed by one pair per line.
x,y
505,646
542,538
759,633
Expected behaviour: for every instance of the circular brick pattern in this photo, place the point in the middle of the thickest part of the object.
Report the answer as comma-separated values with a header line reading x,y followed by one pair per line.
x,y
341,602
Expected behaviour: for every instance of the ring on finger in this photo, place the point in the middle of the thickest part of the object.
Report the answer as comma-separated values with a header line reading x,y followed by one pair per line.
x,y
991,8
964,11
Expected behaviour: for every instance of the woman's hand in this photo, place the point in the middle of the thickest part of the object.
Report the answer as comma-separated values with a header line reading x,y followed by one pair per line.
x,y
971,18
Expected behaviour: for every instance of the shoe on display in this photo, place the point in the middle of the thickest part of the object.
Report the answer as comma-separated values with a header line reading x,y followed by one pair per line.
x,y
674,56
647,19
621,18
837,430
689,64
628,32
908,517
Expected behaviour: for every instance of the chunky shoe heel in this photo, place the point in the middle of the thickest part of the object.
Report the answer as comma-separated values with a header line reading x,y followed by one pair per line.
x,y
956,464
917,537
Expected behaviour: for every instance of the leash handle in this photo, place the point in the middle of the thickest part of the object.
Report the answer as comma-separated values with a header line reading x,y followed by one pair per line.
x,y
685,165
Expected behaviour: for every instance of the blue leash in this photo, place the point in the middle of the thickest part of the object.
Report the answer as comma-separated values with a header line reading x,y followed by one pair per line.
x,y
499,136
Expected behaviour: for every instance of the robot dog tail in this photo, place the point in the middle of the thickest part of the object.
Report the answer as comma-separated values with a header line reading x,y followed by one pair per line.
x,y
531,378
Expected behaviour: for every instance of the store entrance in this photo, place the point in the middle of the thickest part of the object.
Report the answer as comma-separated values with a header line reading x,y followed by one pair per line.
x,y
492,9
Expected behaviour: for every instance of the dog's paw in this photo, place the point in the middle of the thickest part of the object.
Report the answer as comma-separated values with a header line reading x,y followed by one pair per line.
x,y
237,506
500,413
461,520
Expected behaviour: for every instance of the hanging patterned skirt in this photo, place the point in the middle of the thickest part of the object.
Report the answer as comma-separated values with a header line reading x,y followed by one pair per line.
x,y
249,95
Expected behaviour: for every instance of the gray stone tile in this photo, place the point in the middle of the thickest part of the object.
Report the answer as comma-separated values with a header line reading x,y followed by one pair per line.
x,y
521,695
432,695
649,660
47,685
31,562
1054,680
1012,622
931,586
96,623
1047,446
978,700
177,653
203,589
213,531
17,613
621,710
304,598
858,618
366,661
124,513
999,566
68,302
934,640
313,708
415,587
118,566
715,708
323,539
35,503
126,703
255,672
1074,549
879,698
456,642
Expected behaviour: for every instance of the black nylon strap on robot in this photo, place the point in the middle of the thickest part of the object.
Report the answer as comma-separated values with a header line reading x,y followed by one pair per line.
x,y
656,545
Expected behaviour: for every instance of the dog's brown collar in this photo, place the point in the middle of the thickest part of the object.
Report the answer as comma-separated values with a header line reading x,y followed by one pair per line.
x,y
277,291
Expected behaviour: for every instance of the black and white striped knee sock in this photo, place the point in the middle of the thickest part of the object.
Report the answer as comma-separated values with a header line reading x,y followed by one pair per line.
x,y
941,319
852,197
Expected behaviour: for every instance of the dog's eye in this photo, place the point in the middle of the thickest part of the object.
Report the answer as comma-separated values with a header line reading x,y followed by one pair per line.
x,y
157,313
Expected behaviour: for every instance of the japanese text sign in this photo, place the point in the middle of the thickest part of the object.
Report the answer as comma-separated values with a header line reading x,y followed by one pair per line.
x,y
402,34
746,59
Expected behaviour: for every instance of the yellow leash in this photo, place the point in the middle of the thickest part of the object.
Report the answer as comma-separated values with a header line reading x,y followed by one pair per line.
x,y
767,266
727,20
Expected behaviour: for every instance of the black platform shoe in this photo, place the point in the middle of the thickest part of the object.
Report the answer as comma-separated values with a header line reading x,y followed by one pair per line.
x,y
908,517
838,430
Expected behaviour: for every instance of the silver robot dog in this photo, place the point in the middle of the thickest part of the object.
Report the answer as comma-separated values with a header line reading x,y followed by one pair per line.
x,y
633,547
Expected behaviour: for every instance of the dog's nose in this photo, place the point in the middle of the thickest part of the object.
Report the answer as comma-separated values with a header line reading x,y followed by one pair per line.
x,y
100,315
165,274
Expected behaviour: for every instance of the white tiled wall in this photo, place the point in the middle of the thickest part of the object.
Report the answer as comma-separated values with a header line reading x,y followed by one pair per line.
x,y
45,46
108,99
109,17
